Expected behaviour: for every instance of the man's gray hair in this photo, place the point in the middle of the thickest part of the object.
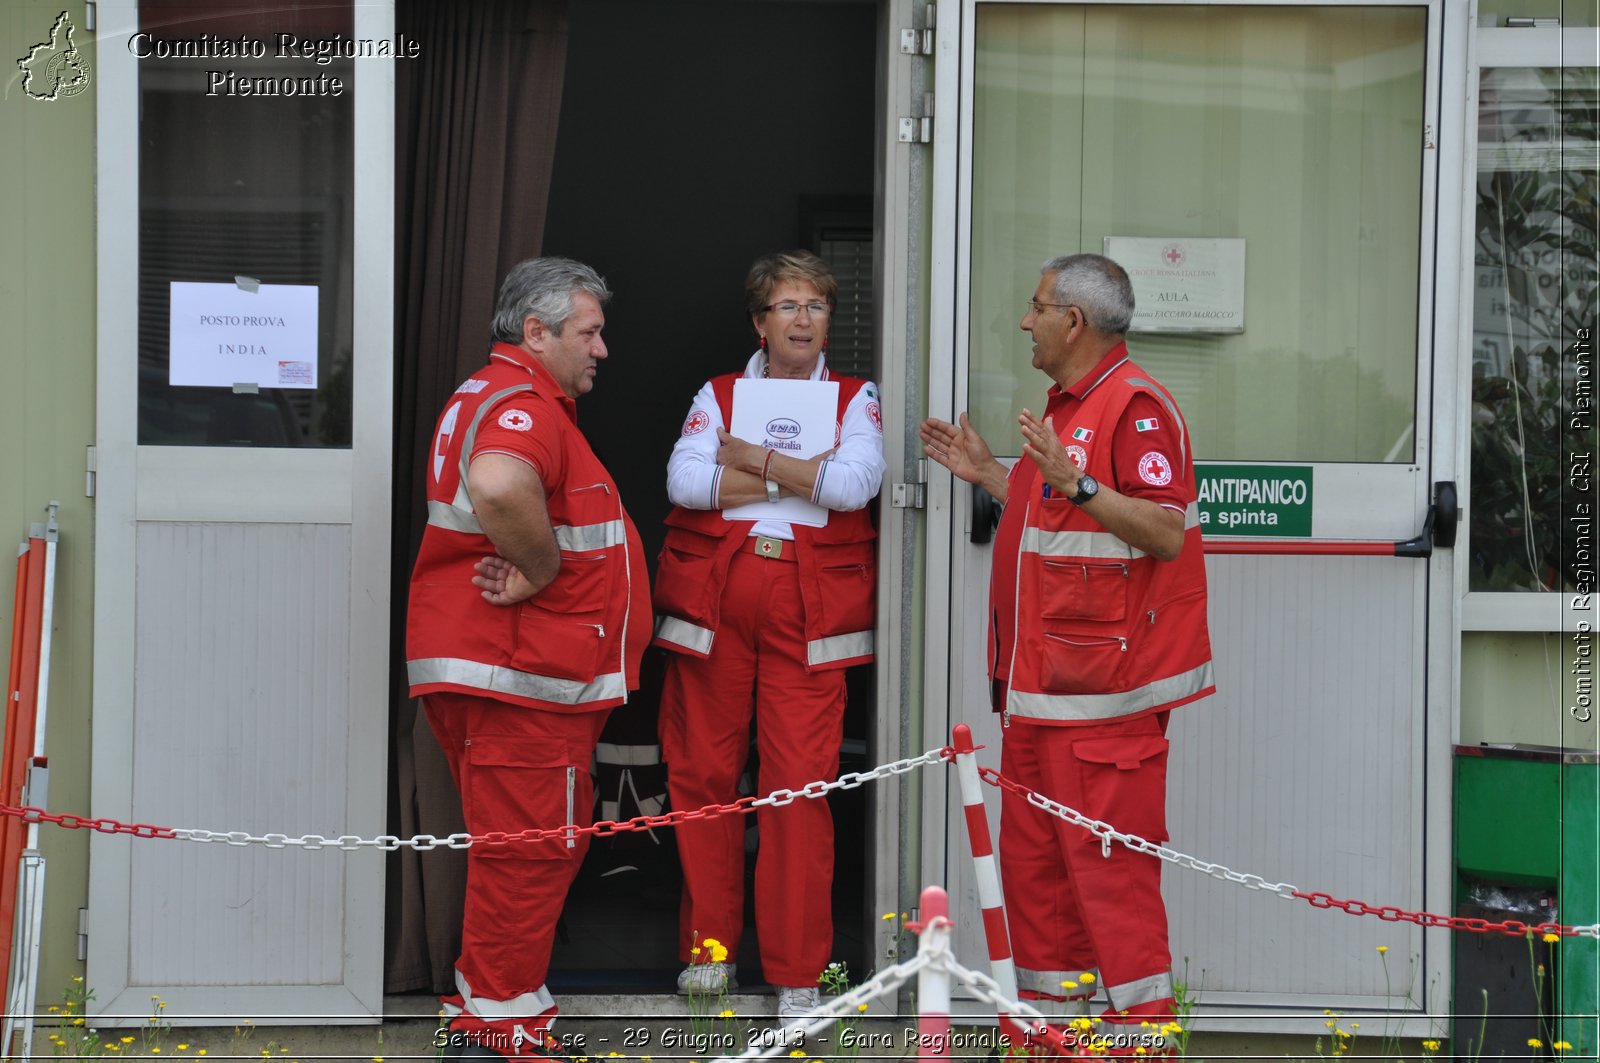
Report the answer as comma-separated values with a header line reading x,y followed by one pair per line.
x,y
542,288
1097,286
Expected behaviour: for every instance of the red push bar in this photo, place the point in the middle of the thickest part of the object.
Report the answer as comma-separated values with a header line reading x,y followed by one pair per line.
x,y
1304,547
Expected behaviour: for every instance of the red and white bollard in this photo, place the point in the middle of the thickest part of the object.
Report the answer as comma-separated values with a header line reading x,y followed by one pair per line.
x,y
933,983
990,899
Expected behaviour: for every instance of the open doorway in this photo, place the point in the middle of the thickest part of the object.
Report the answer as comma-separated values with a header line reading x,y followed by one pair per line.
x,y
694,137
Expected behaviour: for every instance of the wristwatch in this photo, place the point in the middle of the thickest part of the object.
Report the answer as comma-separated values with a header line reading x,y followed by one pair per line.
x,y
1088,487
772,490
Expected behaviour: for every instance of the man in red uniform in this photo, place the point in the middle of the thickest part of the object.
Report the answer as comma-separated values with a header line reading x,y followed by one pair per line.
x,y
1098,629
517,679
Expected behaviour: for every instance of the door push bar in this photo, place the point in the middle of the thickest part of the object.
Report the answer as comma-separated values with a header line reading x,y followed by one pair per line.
x,y
1438,529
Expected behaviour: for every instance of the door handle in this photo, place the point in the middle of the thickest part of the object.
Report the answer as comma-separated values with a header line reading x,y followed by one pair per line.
x,y
985,515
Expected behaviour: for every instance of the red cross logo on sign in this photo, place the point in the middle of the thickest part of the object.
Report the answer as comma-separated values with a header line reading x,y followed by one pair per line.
x,y
1173,255
1155,469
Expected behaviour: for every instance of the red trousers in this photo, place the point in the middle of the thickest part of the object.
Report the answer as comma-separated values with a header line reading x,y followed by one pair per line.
x,y
1071,909
756,667
516,768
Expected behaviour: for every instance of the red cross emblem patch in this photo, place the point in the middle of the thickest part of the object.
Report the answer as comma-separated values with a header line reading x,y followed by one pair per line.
x,y
1155,469
516,420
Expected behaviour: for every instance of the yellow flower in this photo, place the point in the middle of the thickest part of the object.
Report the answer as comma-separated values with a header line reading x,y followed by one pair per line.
x,y
1551,939
129,1041
798,1052
727,1013
710,943
1534,1042
888,916
201,1052
695,951
157,1048
1562,1046
719,954
78,1021
1432,1046
861,1007
1069,985
377,1059
1382,949
113,1048
1086,979
184,1047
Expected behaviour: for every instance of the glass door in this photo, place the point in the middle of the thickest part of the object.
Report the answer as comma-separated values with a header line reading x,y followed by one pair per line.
x,y
1285,153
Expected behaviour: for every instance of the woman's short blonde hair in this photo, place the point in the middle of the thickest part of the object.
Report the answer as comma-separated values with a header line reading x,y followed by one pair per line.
x,y
769,271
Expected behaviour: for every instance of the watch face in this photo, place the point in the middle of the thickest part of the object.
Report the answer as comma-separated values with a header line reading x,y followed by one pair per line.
x,y
1088,487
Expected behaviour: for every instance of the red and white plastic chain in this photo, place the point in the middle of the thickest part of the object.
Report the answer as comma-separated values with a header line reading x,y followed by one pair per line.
x,y
425,842
1389,913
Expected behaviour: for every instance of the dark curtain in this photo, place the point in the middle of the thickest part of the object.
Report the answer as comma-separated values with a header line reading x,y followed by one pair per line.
x,y
476,116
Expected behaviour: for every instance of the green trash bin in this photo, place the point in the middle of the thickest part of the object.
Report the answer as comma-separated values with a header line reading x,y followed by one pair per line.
x,y
1528,818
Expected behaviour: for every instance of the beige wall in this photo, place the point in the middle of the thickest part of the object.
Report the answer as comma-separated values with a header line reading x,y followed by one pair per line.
x,y
47,365
1518,687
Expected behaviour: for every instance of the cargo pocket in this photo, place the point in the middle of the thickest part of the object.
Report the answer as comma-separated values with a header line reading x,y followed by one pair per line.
x,y
1126,782
561,631
845,577
515,783
1082,663
686,566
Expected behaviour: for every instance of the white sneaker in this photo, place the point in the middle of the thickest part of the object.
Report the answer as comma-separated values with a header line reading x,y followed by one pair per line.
x,y
707,978
797,1002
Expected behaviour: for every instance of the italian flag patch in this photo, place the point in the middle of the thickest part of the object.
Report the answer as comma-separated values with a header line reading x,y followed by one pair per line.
x,y
1084,434
1145,424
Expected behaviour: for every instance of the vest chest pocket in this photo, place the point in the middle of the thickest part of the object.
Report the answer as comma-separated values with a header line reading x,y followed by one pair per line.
x,y
1083,590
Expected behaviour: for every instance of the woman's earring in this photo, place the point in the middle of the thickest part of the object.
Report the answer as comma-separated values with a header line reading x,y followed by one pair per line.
x,y
763,343
824,343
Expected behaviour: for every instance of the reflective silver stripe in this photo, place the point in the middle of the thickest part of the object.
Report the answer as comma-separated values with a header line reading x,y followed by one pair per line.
x,y
450,518
1078,544
1177,418
497,680
634,756
682,633
526,1006
578,537
1051,981
839,647
1108,706
471,435
1101,378
1140,991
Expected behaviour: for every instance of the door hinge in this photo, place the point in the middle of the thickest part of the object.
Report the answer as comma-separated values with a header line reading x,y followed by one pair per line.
x,y
911,495
89,11
83,933
918,129
919,42
88,472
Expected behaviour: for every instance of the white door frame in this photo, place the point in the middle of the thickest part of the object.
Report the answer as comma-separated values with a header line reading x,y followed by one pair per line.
x,y
1449,117
242,486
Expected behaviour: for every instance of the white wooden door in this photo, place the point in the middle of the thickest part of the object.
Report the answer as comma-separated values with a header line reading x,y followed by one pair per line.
x,y
1309,132
242,535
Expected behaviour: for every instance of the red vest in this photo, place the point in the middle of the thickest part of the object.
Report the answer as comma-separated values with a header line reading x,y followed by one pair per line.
x,y
1103,630
838,570
576,645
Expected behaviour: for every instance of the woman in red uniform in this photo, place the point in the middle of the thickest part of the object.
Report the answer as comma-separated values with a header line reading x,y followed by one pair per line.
x,y
762,616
